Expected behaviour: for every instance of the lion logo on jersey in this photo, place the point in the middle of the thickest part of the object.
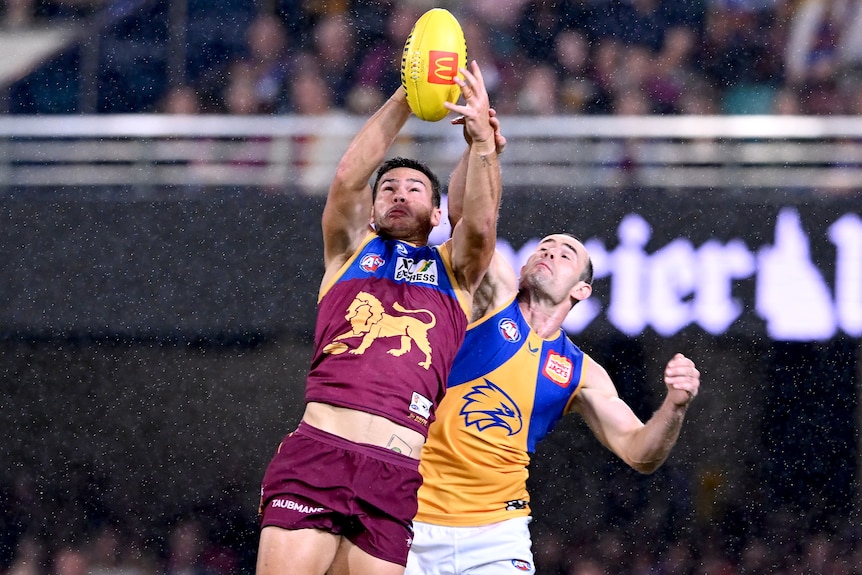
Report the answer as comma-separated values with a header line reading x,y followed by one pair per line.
x,y
369,321
489,406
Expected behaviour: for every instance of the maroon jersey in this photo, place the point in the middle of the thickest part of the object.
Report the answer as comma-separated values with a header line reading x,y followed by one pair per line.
x,y
388,327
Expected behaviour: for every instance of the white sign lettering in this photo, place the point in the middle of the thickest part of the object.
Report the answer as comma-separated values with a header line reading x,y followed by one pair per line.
x,y
680,284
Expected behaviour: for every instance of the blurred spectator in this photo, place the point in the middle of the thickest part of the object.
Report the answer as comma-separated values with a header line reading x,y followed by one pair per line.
x,y
479,45
110,553
310,94
604,71
755,559
538,94
851,95
18,13
673,73
267,61
572,54
186,545
181,99
378,72
739,56
29,557
634,73
240,96
698,99
586,566
825,40
70,561
336,49
786,102
501,18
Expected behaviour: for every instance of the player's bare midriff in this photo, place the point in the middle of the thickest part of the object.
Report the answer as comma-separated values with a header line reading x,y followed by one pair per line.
x,y
362,427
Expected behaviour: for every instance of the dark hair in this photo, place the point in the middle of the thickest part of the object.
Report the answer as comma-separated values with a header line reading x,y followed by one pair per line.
x,y
399,162
587,274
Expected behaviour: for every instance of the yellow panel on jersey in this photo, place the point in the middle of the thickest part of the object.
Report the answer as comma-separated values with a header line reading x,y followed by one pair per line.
x,y
507,389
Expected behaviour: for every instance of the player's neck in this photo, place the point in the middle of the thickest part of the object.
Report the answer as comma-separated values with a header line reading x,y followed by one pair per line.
x,y
543,316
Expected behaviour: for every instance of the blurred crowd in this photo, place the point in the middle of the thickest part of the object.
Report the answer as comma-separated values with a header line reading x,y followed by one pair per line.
x,y
644,528
565,57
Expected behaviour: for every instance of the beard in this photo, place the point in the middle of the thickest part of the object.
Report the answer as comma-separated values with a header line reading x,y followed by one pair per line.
x,y
408,226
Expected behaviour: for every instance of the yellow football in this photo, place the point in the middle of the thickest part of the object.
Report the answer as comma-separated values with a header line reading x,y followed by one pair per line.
x,y
433,52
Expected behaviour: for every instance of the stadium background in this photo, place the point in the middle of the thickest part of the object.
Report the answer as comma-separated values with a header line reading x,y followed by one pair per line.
x,y
154,351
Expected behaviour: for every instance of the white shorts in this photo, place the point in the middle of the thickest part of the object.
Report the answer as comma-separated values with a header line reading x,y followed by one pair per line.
x,y
497,549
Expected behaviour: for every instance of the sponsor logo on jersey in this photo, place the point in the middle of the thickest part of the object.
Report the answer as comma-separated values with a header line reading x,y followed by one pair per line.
x,y
533,350
489,406
509,330
421,271
371,262
420,405
401,249
521,565
516,504
558,369
295,506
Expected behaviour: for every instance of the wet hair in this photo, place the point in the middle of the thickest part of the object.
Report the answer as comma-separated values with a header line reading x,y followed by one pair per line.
x,y
399,162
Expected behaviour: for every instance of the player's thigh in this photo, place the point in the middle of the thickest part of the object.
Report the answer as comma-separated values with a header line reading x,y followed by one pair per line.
x,y
295,552
434,549
351,560
500,549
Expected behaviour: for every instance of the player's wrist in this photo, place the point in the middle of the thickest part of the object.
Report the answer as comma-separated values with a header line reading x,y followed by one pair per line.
x,y
484,147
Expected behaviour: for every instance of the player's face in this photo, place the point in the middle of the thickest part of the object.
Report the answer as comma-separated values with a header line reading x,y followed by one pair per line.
x,y
556,266
403,208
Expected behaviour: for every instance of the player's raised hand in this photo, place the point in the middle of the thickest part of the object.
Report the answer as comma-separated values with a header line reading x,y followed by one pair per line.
x,y
499,138
682,379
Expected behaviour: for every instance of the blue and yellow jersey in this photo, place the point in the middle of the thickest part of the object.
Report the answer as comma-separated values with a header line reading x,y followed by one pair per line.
x,y
389,325
507,390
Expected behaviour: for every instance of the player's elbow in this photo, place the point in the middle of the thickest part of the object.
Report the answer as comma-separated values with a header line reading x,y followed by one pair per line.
x,y
647,468
646,465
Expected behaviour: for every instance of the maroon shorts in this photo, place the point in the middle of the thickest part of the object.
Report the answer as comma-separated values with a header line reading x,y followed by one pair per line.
x,y
363,492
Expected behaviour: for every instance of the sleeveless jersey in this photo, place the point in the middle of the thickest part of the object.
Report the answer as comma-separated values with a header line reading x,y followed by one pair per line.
x,y
507,389
388,327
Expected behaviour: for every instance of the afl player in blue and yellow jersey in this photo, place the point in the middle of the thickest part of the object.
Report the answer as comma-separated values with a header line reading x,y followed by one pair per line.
x,y
516,375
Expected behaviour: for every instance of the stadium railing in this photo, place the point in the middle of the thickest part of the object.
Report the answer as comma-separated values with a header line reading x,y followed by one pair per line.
x,y
552,152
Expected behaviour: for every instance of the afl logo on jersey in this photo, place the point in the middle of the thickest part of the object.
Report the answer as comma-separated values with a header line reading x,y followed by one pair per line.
x,y
521,565
509,330
371,262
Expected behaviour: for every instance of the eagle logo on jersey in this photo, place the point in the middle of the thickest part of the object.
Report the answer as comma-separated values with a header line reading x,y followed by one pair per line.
x,y
489,406
369,321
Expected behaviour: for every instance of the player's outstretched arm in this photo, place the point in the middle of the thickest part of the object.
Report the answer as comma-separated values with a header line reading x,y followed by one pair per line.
x,y
474,237
347,213
644,447
500,281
